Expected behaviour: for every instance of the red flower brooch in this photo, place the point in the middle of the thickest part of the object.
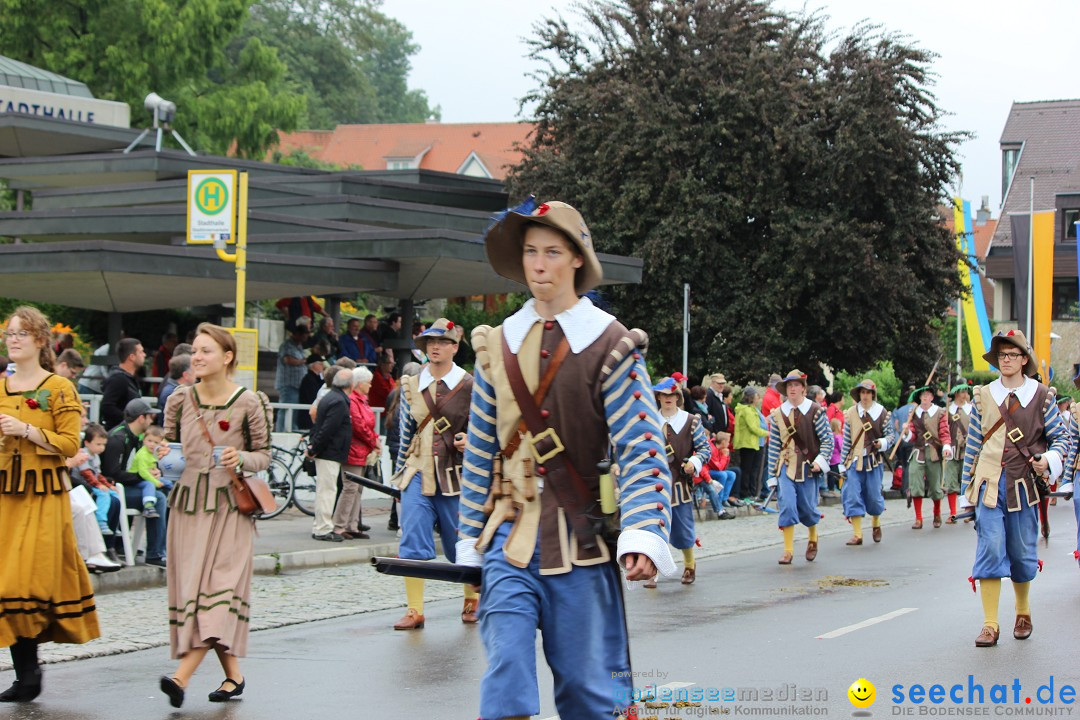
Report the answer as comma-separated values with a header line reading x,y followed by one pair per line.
x,y
33,404
223,424
37,398
449,325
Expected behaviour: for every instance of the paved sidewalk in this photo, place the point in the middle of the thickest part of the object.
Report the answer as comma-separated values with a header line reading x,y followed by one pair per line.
x,y
137,619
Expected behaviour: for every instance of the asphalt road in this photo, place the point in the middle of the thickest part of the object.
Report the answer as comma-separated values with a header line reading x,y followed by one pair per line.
x,y
747,624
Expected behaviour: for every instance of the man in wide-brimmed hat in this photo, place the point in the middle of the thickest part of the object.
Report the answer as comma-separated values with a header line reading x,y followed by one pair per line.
x,y
434,414
1015,435
558,384
687,446
800,443
927,429
959,414
868,433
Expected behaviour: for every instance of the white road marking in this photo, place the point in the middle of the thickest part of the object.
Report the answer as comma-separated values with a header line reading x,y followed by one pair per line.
x,y
865,623
671,685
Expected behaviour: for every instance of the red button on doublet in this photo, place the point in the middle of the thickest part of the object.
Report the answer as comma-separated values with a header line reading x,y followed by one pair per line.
x,y
545,354
652,453
659,487
655,471
642,414
648,436
548,324
659,506
541,469
662,523
545,413
637,356
633,375
637,394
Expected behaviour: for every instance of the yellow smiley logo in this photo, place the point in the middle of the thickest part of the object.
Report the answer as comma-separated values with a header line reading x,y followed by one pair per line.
x,y
862,693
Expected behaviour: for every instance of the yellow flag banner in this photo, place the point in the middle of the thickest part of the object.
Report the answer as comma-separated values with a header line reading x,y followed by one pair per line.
x,y
965,243
1042,271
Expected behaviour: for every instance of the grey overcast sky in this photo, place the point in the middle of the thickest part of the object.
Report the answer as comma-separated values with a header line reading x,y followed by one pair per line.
x,y
472,60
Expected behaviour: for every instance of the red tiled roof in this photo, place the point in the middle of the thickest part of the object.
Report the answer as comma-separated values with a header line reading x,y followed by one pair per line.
x,y
368,146
1050,132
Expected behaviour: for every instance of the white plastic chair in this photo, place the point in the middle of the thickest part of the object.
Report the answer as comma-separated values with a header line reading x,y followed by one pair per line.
x,y
138,528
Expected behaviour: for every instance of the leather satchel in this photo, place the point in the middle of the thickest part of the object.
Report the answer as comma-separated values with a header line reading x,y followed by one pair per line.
x,y
251,493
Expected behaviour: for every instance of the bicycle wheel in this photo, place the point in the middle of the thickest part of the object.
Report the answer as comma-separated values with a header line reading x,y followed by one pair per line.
x,y
303,492
280,481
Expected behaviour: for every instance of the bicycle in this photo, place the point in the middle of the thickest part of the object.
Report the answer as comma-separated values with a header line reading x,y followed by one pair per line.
x,y
301,485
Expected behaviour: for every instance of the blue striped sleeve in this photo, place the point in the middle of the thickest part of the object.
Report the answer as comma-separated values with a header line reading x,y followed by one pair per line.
x,y
774,448
890,432
845,448
1070,459
974,444
481,447
407,426
702,449
1057,438
825,438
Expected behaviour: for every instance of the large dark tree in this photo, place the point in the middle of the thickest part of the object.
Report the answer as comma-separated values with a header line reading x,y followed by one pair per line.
x,y
791,185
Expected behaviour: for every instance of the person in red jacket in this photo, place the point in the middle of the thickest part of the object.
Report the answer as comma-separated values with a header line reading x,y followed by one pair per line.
x,y
382,381
715,478
772,399
347,516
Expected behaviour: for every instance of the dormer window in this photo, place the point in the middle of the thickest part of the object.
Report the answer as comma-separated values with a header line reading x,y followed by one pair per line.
x,y
1010,157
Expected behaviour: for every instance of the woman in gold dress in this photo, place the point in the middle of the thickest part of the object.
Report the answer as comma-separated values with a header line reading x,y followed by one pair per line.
x,y
210,546
45,591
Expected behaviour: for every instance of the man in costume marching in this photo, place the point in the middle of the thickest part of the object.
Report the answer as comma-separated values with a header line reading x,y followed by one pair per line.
x,y
687,447
959,414
868,434
1015,440
800,443
927,430
434,414
557,385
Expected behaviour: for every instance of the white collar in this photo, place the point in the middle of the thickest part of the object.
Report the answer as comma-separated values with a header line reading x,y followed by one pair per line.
x,y
677,421
451,378
953,408
874,412
1024,393
582,324
804,406
919,412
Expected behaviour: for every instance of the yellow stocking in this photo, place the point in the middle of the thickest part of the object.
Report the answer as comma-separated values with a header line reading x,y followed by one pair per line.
x,y
789,539
856,526
1023,603
876,519
813,533
471,594
688,558
414,592
990,590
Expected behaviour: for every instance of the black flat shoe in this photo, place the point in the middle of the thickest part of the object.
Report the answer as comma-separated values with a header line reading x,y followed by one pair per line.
x,y
170,687
220,695
23,690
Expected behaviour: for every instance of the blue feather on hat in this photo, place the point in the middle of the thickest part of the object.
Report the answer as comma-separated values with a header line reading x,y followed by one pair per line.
x,y
525,207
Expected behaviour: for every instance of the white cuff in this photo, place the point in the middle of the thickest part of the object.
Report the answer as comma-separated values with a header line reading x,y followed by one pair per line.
x,y
649,544
1054,459
907,437
1066,488
947,452
466,553
841,469
885,444
821,463
964,502
696,462
772,482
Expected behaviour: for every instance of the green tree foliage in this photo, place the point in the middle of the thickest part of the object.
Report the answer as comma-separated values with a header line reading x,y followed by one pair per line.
x,y
792,186
349,59
226,92
884,377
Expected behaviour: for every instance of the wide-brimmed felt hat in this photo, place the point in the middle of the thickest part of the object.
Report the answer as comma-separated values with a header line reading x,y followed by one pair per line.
x,y
913,397
667,386
959,387
441,329
793,376
503,240
1016,339
866,384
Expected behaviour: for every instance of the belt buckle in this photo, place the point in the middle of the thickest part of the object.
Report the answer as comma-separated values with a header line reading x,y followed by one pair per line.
x,y
669,450
927,436
554,437
443,427
1019,435
867,426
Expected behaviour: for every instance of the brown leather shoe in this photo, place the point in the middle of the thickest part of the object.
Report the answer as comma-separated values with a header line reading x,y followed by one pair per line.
x,y
468,612
987,638
855,540
688,576
917,525
785,559
412,621
1022,628
876,534
651,582
811,551
951,520
937,521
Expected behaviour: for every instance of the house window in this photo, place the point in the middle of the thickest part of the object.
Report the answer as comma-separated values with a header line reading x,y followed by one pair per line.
x,y
399,165
1009,157
1064,303
1071,216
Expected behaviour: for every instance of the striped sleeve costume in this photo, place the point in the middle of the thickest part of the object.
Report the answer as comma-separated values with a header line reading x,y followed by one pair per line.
x,y
862,461
523,526
790,466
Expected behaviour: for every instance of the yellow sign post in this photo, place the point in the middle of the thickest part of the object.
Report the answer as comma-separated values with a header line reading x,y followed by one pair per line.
x,y
210,220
